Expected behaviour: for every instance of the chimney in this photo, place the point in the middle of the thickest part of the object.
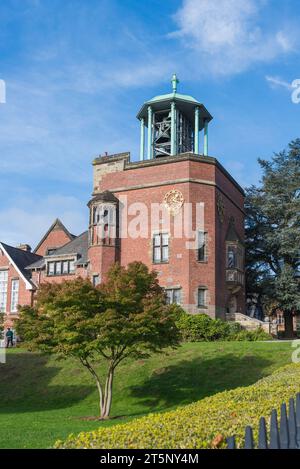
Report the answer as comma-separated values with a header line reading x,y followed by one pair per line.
x,y
24,247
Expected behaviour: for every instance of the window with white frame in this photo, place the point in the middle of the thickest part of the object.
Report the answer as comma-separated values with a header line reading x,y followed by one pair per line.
x,y
160,248
14,295
202,294
173,296
3,290
64,267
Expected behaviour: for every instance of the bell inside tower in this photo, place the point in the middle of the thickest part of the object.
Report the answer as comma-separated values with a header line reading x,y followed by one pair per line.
x,y
171,125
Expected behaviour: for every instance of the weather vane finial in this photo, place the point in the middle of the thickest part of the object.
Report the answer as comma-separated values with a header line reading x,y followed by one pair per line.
x,y
175,82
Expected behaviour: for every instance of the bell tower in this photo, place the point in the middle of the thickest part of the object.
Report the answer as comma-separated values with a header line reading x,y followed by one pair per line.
x,y
173,123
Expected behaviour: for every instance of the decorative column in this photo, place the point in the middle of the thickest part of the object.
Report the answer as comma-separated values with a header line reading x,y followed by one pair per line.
x,y
150,147
173,129
196,132
205,138
142,145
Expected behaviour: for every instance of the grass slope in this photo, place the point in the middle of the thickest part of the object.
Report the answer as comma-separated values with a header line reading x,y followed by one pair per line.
x,y
43,399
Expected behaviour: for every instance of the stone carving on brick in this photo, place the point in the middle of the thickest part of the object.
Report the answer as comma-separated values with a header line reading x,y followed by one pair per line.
x,y
220,208
173,201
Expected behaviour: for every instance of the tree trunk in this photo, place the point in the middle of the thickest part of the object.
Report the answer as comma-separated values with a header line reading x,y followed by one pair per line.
x,y
289,325
99,387
108,394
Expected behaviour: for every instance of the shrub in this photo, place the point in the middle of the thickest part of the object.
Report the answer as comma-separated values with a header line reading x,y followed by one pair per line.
x,y
252,336
201,328
202,425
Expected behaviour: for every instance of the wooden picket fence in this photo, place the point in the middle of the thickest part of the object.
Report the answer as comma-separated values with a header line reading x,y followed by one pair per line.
x,y
286,435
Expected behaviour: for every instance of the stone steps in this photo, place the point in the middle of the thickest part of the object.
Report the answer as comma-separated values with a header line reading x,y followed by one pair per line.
x,y
248,323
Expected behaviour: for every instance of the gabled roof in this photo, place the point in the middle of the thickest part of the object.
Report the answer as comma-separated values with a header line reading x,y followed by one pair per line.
x,y
78,246
57,224
20,260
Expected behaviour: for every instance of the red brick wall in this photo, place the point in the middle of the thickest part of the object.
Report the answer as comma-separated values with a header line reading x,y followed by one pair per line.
x,y
234,207
25,296
42,277
55,239
101,259
183,268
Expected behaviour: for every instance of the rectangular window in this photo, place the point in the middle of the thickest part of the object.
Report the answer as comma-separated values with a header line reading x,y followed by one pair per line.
x,y
14,295
72,267
235,257
202,237
3,290
58,268
96,280
61,267
202,297
160,248
173,296
65,267
231,257
51,268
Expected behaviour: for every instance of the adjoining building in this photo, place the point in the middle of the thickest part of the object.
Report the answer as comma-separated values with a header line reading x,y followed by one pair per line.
x,y
177,210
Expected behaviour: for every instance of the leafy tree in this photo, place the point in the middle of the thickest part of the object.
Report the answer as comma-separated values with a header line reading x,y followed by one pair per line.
x,y
273,232
125,317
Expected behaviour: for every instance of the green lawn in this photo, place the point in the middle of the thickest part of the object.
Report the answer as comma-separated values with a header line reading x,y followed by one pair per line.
x,y
43,399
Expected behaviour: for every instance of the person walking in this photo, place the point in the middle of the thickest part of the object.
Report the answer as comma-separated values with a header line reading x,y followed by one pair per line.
x,y
9,338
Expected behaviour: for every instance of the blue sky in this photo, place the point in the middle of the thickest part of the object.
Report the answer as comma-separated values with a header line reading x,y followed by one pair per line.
x,y
78,71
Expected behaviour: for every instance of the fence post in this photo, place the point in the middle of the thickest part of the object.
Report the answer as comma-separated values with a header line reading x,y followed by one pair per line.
x,y
262,438
274,435
292,425
249,443
298,421
284,428
231,443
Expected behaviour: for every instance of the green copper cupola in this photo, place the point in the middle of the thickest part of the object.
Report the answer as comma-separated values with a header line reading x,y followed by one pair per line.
x,y
173,122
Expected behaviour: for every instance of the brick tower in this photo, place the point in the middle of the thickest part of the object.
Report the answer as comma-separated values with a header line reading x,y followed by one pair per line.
x,y
203,269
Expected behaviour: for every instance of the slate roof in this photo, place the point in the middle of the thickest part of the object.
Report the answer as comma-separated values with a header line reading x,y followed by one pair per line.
x,y
21,258
78,245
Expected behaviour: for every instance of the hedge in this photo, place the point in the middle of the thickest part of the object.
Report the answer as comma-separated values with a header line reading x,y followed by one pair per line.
x,y
202,425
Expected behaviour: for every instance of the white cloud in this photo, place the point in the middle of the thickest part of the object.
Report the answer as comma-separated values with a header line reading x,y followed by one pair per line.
x,y
276,82
28,221
226,37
